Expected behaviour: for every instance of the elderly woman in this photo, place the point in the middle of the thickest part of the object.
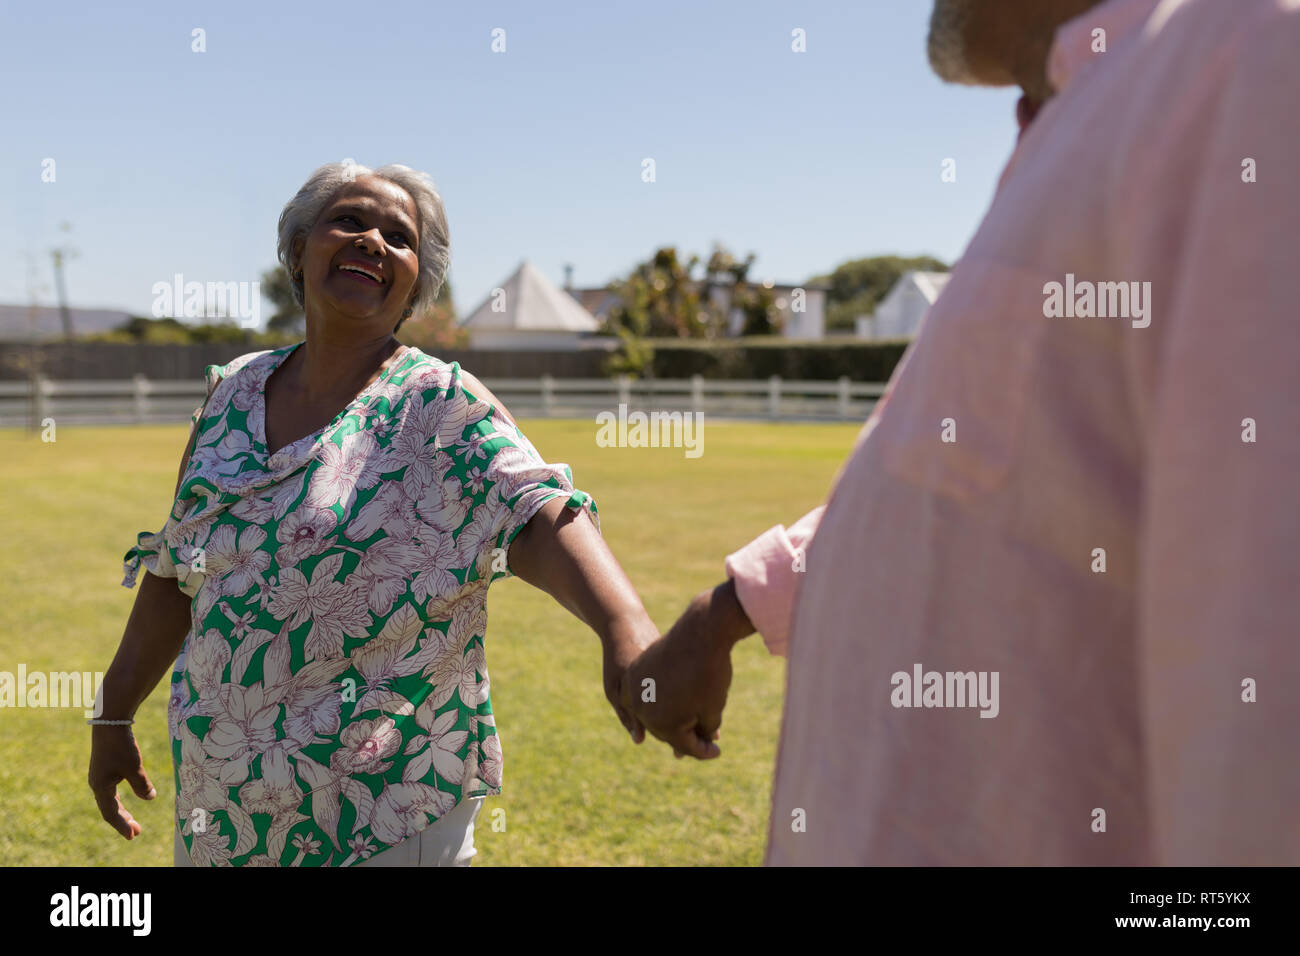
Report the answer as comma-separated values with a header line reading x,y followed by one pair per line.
x,y
341,508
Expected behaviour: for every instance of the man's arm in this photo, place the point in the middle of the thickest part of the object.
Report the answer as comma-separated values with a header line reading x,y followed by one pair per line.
x,y
767,573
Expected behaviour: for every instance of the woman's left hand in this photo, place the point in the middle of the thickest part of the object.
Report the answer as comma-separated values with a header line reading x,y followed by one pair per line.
x,y
623,645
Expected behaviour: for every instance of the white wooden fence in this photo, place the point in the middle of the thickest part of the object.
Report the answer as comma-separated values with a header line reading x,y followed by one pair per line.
x,y
147,401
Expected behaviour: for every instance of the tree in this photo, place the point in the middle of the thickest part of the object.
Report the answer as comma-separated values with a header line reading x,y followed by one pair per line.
x,y
759,311
662,298
435,329
858,285
659,299
277,289
633,357
757,306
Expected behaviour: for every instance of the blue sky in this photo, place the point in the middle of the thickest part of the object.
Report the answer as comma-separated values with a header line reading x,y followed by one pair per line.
x,y
172,161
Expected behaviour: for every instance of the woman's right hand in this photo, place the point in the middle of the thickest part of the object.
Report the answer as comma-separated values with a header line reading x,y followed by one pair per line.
x,y
114,756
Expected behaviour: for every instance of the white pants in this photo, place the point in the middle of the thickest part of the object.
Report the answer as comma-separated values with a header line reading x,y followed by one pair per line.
x,y
448,841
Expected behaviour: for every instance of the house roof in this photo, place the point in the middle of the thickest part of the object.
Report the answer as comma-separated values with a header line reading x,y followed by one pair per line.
x,y
598,301
930,284
534,304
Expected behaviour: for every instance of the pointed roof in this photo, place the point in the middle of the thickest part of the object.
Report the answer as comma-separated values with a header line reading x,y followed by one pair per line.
x,y
930,283
532,303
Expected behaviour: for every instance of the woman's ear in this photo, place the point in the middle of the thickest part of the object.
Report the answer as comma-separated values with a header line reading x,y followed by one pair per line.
x,y
295,256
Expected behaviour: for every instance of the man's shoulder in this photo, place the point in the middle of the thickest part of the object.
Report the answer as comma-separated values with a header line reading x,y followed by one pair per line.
x,y
1213,34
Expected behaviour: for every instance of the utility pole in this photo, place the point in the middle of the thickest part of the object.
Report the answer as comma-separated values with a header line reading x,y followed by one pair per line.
x,y
35,354
60,286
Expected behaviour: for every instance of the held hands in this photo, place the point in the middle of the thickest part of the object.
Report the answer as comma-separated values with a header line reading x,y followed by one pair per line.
x,y
677,688
674,686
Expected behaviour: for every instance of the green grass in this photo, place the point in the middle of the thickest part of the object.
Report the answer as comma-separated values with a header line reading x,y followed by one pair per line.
x,y
576,790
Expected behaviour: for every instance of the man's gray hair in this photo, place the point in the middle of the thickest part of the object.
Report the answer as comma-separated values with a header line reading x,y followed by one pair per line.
x,y
434,252
946,43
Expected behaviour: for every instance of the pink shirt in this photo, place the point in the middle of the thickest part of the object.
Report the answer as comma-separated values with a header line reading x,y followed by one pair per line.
x,y
1143,714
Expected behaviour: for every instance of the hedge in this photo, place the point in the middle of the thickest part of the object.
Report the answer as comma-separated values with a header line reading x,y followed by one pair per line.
x,y
761,358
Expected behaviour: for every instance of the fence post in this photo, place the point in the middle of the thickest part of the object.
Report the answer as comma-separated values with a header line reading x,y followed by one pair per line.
x,y
774,396
625,390
844,396
40,406
548,395
141,397
697,394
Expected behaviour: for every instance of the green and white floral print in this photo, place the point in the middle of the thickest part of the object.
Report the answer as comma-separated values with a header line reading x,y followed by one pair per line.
x,y
331,698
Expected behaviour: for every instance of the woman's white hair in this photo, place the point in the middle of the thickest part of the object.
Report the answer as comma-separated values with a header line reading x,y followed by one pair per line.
x,y
434,253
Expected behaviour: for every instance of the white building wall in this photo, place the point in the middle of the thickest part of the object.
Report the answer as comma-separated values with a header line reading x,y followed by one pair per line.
x,y
808,324
900,314
533,341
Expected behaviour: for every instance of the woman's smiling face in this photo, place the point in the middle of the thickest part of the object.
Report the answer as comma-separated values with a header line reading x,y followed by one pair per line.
x,y
360,260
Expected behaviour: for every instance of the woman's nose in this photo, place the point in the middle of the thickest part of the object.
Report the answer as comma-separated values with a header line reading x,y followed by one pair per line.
x,y
372,242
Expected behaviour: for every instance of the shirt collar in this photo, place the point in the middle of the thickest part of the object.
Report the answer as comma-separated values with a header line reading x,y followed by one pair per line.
x,y
1072,48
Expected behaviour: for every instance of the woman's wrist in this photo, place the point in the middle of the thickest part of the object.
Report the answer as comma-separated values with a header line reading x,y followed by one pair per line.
x,y
632,623
112,703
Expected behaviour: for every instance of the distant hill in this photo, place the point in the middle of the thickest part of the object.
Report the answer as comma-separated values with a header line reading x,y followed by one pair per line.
x,y
16,322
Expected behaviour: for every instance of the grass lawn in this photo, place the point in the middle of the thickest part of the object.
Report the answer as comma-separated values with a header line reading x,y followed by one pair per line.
x,y
577,791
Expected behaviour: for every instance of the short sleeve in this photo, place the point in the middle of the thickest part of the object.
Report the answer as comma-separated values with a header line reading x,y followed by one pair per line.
x,y
213,374
517,481
151,548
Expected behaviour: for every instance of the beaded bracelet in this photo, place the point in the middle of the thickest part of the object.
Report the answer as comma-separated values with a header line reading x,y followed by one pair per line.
x,y
110,723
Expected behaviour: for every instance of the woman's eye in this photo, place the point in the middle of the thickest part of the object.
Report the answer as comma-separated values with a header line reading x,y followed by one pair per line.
x,y
398,239
348,218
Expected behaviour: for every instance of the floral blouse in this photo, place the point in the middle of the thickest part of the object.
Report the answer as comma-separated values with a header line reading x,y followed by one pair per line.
x,y
331,697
